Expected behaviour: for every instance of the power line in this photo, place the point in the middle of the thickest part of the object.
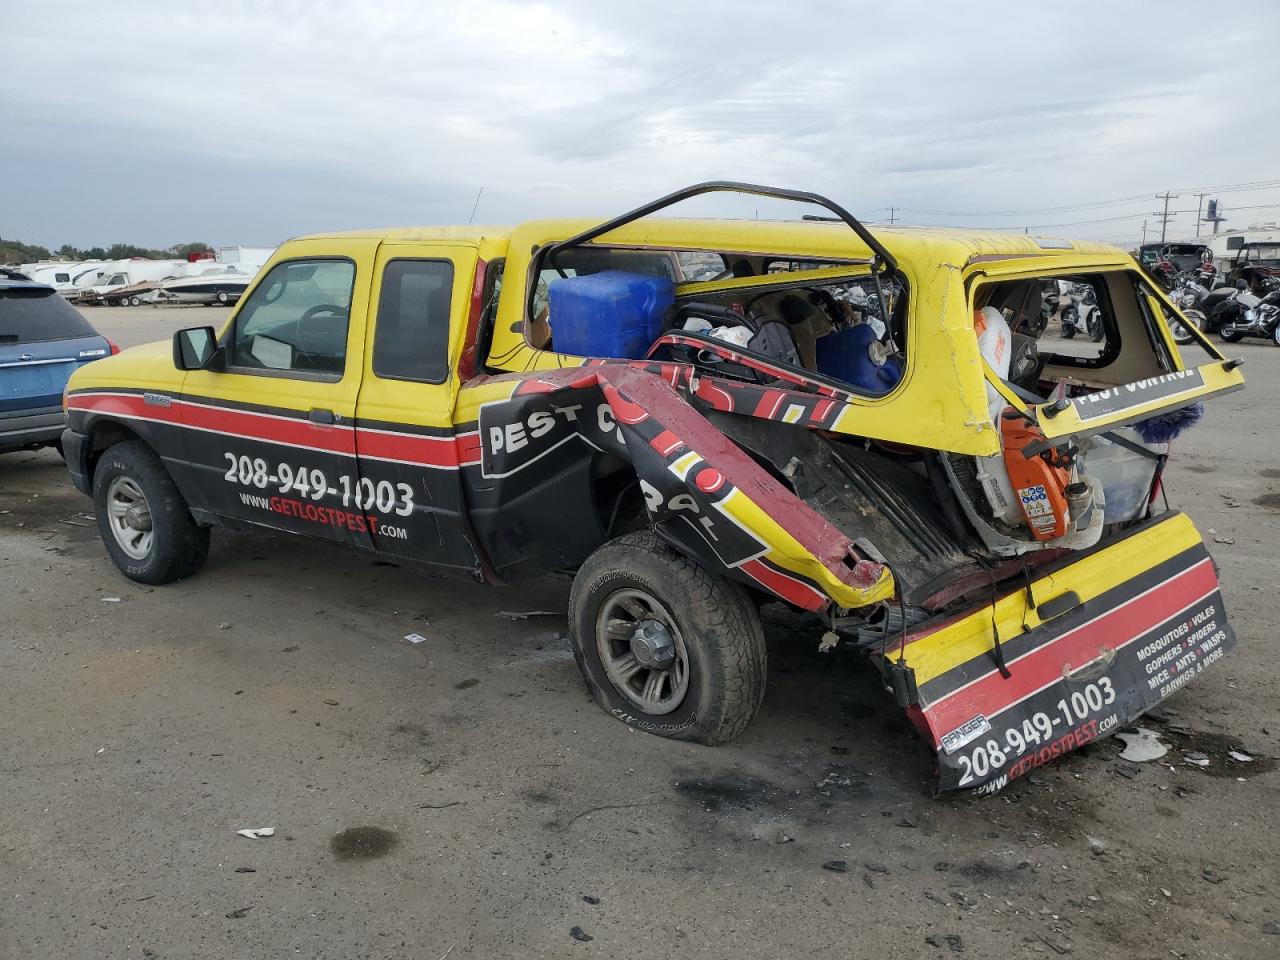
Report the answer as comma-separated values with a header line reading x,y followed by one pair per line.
x,y
1094,204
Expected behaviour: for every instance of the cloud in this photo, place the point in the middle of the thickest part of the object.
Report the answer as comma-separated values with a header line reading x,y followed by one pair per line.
x,y
251,122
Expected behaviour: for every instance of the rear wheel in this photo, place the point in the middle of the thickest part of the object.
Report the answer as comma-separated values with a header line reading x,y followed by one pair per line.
x,y
663,644
222,296
144,521
1275,335
1231,336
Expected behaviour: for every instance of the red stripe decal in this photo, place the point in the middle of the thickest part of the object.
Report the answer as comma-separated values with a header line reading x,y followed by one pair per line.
x,y
666,442
801,594
1113,630
445,451
270,429
768,405
430,451
468,446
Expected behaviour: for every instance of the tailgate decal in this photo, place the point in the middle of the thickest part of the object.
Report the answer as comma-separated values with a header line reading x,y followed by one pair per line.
x,y
1078,677
1170,386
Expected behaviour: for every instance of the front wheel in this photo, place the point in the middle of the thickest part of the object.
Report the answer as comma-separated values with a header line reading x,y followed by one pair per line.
x,y
144,521
665,645
1231,336
1275,335
1093,326
1181,335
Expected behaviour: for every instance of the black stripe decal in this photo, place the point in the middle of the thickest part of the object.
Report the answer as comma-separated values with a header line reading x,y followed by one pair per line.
x,y
1023,643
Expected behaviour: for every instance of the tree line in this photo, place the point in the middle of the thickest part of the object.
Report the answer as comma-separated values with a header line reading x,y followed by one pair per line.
x,y
15,251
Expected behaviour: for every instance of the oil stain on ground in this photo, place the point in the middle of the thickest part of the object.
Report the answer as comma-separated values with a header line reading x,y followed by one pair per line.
x,y
1269,500
1271,473
363,843
1219,749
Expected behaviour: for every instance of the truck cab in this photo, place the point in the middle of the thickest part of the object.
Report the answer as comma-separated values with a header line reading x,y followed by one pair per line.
x,y
696,418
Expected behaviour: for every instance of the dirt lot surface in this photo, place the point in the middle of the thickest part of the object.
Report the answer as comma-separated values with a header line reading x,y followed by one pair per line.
x,y
462,796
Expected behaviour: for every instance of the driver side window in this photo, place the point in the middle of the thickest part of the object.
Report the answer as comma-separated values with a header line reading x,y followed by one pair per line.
x,y
295,321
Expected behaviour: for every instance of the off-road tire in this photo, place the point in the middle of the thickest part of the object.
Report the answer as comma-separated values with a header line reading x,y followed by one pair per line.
x,y
179,545
716,618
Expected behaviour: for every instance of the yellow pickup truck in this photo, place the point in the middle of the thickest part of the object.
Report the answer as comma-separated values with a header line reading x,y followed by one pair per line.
x,y
700,417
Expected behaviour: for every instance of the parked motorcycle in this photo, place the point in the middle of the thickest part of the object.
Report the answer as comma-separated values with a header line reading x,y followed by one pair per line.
x,y
1075,307
1250,315
1188,294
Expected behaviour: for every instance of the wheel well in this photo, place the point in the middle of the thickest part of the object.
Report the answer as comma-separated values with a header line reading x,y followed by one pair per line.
x,y
104,434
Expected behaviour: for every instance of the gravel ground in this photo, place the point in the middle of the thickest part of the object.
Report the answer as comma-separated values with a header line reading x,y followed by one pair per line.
x,y
462,796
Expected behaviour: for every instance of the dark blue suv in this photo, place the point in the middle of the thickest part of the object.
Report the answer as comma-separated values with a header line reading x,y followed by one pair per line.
x,y
43,339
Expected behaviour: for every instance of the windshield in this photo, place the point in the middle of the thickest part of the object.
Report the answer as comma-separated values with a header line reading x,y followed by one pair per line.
x,y
1269,253
29,315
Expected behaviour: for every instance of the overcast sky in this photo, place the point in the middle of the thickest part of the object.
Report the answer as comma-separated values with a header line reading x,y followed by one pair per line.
x,y
251,122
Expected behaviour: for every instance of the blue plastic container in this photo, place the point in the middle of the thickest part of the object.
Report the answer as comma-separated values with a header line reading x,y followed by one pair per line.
x,y
845,355
608,314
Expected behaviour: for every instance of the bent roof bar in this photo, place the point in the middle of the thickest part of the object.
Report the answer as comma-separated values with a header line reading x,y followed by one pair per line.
x,y
884,261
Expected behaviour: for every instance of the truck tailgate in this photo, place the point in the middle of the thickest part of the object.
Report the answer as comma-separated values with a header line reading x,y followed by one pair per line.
x,y
1088,646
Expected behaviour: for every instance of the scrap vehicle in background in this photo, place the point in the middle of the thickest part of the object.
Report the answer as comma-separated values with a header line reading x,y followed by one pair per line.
x,y
1164,261
43,340
1255,264
699,417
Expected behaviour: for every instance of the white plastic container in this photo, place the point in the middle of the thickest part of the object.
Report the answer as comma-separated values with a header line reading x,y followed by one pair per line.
x,y
995,343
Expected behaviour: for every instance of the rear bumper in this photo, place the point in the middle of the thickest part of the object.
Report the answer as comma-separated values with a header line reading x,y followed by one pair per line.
x,y
30,428
1107,636
74,445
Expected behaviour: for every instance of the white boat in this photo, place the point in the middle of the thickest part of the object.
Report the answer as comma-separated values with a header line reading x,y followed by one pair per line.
x,y
221,284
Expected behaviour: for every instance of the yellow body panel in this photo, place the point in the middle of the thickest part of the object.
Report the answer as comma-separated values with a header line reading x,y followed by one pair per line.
x,y
940,401
1093,574
291,392
404,401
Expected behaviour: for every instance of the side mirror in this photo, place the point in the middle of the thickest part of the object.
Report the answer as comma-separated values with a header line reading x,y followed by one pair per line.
x,y
193,347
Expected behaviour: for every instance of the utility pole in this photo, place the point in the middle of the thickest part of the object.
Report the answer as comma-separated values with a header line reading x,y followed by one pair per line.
x,y
1144,231
1165,216
893,215
1199,205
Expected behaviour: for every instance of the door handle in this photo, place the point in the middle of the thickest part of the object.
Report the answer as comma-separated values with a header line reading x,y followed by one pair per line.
x,y
326,417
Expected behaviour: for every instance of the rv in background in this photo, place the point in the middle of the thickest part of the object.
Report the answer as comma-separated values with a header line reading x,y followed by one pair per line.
x,y
1226,245
246,259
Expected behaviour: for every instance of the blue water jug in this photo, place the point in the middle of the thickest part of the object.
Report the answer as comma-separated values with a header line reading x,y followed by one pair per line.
x,y
845,355
608,314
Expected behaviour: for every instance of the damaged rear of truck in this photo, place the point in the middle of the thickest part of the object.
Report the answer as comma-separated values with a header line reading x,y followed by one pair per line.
x,y
878,428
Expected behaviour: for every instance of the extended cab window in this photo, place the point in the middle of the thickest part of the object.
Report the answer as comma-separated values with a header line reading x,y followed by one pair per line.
x,y
822,317
295,321
411,341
